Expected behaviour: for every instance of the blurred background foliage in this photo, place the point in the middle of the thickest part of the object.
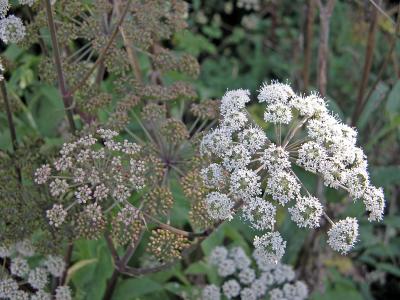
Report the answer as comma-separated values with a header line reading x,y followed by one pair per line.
x,y
240,48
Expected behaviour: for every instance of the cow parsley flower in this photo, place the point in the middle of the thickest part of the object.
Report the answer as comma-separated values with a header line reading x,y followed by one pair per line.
x,y
213,175
240,257
310,106
238,158
55,265
260,213
8,287
278,113
38,278
306,212
218,254
275,158
12,30
283,187
270,246
56,215
253,138
219,206
231,288
311,156
226,267
27,2
343,235
276,92
258,168
211,292
374,201
248,294
19,267
245,184
235,121
252,280
234,101
40,295
63,293
247,275
4,7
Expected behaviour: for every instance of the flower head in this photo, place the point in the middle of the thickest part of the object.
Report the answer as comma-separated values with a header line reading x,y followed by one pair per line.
x,y
12,30
343,235
270,246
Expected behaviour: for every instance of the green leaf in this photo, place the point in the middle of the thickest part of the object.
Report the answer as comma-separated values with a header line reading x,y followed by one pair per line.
x,y
129,289
392,269
393,101
197,268
385,176
372,104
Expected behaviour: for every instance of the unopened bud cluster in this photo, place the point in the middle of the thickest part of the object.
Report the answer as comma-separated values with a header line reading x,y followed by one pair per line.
x,y
92,174
167,246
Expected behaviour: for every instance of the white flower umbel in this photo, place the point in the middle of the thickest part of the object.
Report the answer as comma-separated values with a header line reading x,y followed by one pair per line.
x,y
218,254
343,235
63,293
27,2
306,212
374,201
283,187
256,170
213,175
38,278
270,246
219,206
34,274
231,288
256,280
226,267
211,292
240,258
260,213
245,184
4,7
253,138
55,265
234,101
12,30
275,158
8,287
19,267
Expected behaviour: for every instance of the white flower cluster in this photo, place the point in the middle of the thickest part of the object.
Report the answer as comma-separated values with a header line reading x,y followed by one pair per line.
x,y
12,30
254,172
98,172
251,279
37,277
249,4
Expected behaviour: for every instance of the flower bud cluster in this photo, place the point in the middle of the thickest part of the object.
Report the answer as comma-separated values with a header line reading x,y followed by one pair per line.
x,y
244,277
93,173
254,171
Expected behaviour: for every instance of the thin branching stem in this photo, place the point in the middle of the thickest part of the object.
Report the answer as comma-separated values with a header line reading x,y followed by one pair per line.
x,y
65,94
11,125
104,51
